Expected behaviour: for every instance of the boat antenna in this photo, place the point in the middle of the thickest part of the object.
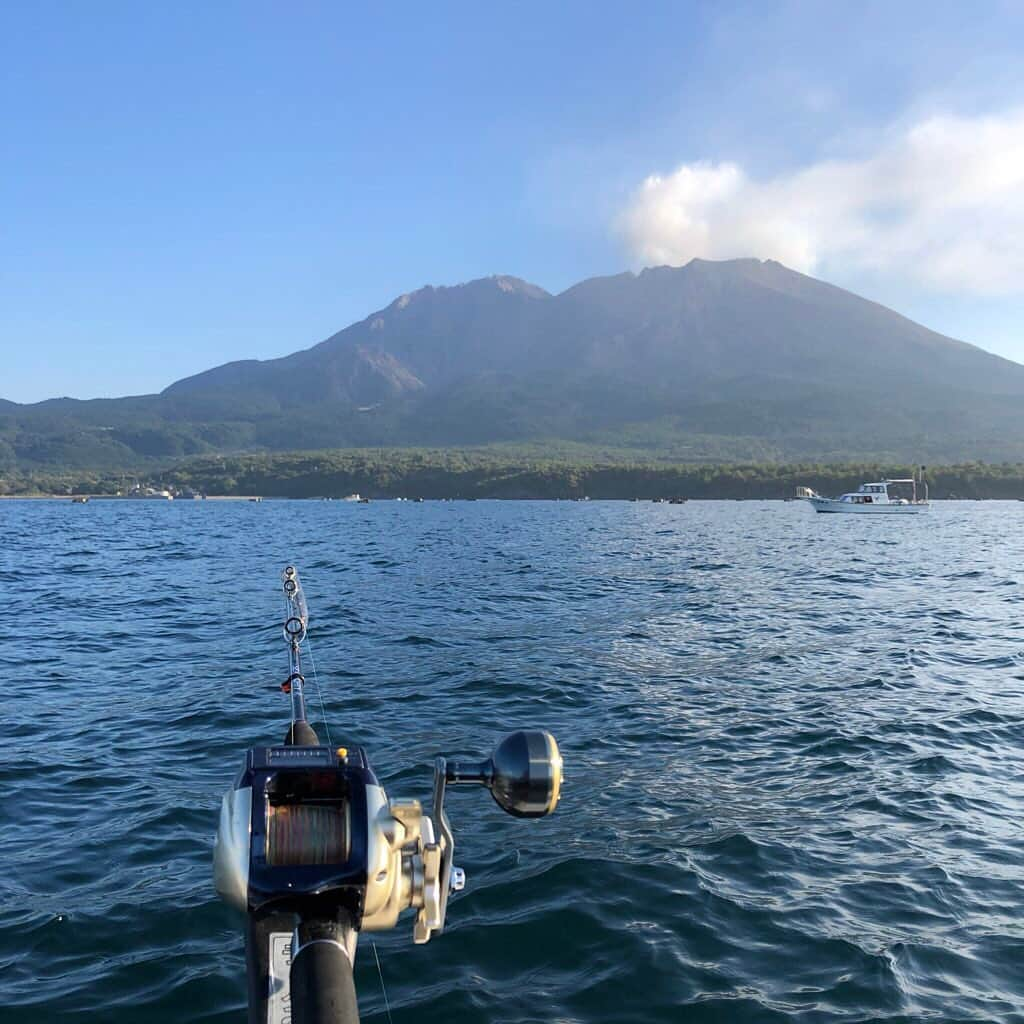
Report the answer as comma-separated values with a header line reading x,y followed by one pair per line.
x,y
296,619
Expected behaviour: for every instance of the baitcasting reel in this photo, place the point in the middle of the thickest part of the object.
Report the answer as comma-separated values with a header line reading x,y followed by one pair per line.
x,y
312,849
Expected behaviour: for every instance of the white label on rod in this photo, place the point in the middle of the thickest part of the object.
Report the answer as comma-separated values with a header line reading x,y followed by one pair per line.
x,y
279,1005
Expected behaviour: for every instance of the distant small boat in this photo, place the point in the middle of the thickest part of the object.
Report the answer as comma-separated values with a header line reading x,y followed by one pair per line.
x,y
678,501
149,494
351,497
256,499
869,499
80,499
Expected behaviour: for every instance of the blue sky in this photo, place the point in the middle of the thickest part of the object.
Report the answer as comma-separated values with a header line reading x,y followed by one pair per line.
x,y
181,185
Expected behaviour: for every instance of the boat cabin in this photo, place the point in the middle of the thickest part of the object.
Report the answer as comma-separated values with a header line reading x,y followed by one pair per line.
x,y
878,494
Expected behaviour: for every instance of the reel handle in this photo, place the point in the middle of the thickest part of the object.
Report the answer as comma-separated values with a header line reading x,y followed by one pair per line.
x,y
524,774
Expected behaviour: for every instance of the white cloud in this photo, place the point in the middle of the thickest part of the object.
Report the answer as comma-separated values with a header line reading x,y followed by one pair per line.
x,y
940,203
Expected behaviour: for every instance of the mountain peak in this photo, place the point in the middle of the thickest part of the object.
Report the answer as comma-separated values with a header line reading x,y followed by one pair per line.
x,y
504,283
516,285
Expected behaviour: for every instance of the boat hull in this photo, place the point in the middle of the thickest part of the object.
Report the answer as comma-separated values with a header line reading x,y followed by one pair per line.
x,y
864,509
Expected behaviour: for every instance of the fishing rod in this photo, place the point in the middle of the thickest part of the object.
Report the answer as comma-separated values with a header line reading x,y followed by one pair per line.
x,y
312,850
296,618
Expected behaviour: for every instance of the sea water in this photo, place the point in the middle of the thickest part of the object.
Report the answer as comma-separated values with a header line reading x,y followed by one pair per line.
x,y
794,751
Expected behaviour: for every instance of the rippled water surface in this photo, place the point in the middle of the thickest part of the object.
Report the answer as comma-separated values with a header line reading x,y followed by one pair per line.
x,y
794,747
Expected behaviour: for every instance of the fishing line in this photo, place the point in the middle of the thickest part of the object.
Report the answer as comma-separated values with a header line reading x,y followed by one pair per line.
x,y
380,974
319,692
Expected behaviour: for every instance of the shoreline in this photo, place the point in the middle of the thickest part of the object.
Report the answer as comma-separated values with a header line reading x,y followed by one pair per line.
x,y
259,499
335,476
125,497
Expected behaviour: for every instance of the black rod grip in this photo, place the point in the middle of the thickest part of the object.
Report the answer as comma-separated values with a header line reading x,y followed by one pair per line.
x,y
322,988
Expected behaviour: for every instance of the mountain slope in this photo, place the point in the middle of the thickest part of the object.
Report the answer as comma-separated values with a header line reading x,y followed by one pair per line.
x,y
737,358
427,337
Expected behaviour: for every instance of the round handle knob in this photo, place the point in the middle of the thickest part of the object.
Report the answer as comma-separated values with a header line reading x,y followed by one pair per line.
x,y
525,774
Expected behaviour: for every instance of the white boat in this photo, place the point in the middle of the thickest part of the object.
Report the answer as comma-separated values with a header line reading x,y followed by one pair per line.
x,y
870,499
149,493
